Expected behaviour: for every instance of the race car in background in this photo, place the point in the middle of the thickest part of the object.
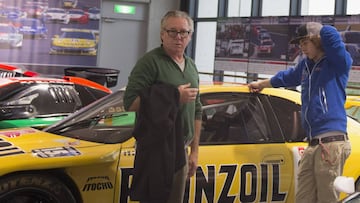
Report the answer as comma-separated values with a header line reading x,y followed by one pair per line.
x,y
10,36
75,42
69,3
56,15
266,44
38,102
94,13
78,16
265,48
249,150
32,28
237,47
12,13
107,77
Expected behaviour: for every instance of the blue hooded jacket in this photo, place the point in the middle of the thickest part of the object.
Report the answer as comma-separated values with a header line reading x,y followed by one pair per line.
x,y
323,85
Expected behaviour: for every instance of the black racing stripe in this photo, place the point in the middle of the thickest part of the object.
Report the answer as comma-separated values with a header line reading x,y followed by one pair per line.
x,y
12,153
7,149
4,144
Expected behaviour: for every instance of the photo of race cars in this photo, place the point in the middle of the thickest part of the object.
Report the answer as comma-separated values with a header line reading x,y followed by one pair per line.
x,y
261,44
50,32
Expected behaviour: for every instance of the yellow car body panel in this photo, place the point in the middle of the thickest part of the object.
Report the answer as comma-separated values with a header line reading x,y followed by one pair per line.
x,y
227,172
352,106
80,160
352,101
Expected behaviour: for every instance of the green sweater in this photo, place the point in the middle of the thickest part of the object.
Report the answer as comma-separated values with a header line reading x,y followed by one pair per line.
x,y
157,66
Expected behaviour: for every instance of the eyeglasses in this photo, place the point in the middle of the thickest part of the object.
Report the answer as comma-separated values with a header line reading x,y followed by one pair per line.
x,y
174,33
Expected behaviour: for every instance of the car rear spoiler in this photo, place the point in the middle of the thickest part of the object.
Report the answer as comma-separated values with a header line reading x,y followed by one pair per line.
x,y
7,70
104,76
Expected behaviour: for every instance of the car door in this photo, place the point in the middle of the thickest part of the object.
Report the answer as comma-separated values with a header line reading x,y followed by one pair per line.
x,y
288,116
243,156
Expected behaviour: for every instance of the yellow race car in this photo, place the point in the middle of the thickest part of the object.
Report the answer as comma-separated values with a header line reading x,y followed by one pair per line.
x,y
250,148
75,42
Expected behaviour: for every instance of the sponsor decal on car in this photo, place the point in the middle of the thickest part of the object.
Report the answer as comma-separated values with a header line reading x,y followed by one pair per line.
x,y
98,183
56,152
130,152
255,181
16,133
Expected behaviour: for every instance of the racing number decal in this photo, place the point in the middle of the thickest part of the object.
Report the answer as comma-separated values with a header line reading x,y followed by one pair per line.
x,y
205,184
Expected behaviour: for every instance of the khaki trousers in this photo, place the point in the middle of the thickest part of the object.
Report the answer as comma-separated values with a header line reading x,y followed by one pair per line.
x,y
318,168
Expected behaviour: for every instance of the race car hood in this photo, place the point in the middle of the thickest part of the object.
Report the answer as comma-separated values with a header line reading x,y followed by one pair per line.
x,y
75,43
29,149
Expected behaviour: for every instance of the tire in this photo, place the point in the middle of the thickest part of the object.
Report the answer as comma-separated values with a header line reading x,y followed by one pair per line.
x,y
34,188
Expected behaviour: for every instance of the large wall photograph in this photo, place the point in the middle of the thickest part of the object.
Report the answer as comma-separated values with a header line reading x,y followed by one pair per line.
x,y
49,32
261,44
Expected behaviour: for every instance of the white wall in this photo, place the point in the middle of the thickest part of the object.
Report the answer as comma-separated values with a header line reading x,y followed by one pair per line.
x,y
157,10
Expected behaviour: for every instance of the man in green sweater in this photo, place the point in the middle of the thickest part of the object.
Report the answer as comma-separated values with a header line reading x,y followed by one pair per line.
x,y
168,64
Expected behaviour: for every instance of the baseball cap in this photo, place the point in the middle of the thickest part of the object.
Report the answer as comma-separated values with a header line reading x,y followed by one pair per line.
x,y
310,29
301,33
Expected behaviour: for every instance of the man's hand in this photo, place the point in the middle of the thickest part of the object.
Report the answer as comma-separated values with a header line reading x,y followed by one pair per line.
x,y
313,29
259,85
255,86
193,164
187,94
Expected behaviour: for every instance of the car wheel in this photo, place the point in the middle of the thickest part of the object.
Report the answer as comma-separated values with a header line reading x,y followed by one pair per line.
x,y
34,188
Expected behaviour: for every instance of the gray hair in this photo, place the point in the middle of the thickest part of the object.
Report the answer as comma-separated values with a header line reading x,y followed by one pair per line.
x,y
179,14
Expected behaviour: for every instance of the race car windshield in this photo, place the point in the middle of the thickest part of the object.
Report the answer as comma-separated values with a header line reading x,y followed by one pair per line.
x,y
94,10
104,121
80,35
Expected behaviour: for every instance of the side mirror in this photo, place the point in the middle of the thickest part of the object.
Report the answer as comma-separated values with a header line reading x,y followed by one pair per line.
x,y
344,184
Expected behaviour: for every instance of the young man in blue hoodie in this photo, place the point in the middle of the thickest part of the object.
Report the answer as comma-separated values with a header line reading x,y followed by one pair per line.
x,y
323,76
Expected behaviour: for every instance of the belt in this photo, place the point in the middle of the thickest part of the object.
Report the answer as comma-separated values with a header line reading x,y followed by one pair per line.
x,y
327,139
